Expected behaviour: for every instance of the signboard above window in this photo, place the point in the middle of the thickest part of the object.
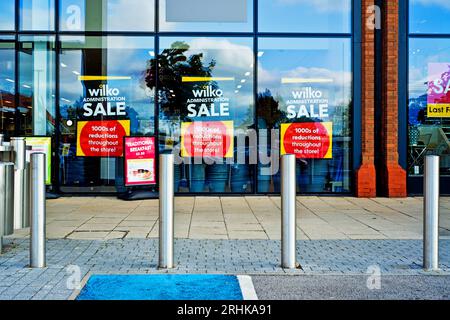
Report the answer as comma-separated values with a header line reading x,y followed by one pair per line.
x,y
206,11
206,15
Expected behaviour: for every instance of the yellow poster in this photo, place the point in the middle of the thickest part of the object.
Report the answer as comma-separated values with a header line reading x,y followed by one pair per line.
x,y
207,139
307,140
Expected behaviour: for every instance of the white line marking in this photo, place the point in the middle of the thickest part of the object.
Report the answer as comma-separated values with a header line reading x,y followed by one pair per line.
x,y
247,288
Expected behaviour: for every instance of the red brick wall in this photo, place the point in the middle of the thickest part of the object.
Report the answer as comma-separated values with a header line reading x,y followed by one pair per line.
x,y
366,174
392,174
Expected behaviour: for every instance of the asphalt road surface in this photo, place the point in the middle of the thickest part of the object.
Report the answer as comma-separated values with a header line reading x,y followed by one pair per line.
x,y
345,287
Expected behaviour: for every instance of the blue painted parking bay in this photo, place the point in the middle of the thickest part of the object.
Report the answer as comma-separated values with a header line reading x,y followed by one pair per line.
x,y
167,287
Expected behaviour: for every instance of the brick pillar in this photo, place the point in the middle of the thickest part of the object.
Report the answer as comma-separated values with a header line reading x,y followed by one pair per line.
x,y
392,174
366,174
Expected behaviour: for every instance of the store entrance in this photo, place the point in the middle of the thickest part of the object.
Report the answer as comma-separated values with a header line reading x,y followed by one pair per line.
x,y
103,97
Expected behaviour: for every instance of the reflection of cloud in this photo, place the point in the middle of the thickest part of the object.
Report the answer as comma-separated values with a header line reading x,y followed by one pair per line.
x,y
339,88
321,5
230,57
136,15
273,78
441,3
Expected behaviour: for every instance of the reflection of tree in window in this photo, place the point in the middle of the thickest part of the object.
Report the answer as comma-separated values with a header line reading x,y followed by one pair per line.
x,y
173,65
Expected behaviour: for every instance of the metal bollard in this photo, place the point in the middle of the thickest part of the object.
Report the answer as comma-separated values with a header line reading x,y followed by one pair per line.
x,y
288,212
6,200
38,212
19,159
431,214
166,208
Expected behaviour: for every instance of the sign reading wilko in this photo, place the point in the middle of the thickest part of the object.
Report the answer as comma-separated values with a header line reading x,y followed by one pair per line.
x,y
307,140
307,102
104,101
208,102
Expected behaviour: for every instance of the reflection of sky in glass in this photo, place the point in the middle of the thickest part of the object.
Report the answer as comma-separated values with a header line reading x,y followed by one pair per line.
x,y
422,52
37,15
324,62
6,15
126,56
122,15
234,59
205,26
7,68
305,16
429,16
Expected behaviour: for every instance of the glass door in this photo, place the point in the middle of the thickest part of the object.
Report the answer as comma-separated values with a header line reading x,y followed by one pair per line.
x,y
103,97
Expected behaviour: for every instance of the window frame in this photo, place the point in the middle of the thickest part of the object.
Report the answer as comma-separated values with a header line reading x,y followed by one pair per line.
x,y
414,182
354,35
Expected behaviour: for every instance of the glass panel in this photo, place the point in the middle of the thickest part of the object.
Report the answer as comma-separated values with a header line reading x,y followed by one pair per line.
x,y
7,89
206,15
7,15
427,16
102,87
307,82
206,109
107,15
37,15
36,86
429,103
305,16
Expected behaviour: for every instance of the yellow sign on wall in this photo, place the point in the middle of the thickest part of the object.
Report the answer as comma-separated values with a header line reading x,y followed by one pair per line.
x,y
438,110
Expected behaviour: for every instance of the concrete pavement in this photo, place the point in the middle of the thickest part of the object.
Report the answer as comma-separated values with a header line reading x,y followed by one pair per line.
x,y
101,218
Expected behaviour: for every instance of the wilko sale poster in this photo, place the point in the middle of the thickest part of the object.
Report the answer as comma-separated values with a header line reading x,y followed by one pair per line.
x,y
213,139
307,140
140,165
101,138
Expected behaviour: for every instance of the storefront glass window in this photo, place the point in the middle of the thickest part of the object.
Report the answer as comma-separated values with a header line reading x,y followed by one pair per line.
x,y
427,16
104,96
7,88
326,16
7,15
37,15
107,15
429,103
206,106
206,15
305,91
36,111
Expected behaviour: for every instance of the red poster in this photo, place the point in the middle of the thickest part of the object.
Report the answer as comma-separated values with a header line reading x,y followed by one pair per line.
x,y
101,138
207,139
307,140
140,167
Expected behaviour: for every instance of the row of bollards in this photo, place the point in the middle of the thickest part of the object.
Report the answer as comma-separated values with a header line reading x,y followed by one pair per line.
x,y
166,212
22,195
289,214
33,196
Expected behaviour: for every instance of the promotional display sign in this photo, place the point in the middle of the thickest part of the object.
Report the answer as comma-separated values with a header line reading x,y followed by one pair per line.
x,y
307,140
101,138
438,95
207,139
42,145
140,164
208,130
310,102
